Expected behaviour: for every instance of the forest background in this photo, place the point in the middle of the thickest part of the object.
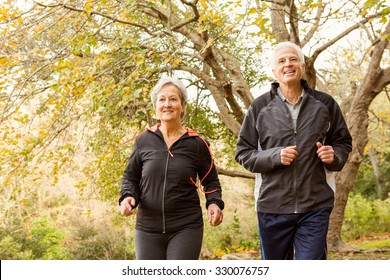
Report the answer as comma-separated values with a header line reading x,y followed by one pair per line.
x,y
75,78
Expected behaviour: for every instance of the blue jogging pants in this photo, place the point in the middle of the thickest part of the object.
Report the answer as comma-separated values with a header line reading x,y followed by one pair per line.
x,y
300,236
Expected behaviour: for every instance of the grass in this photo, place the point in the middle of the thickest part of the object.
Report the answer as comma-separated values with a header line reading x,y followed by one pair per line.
x,y
359,250
369,248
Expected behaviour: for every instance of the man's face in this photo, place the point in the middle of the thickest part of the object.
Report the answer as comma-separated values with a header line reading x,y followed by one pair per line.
x,y
288,68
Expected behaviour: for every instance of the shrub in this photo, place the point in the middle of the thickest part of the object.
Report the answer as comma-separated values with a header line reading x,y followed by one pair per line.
x,y
11,249
365,217
47,242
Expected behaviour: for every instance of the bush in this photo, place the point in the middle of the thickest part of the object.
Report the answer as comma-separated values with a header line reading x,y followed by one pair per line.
x,y
10,249
364,217
101,242
367,185
47,242
231,237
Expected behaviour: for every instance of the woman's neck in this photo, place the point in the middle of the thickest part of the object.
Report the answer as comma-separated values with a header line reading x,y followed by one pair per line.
x,y
172,130
171,133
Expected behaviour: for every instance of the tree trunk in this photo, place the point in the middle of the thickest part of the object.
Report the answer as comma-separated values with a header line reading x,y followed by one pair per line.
x,y
344,180
380,182
373,83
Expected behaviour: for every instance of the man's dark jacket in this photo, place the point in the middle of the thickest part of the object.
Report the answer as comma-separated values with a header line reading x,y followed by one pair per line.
x,y
306,184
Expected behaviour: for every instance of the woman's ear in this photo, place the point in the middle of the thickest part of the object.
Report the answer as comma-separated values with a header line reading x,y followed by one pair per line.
x,y
183,112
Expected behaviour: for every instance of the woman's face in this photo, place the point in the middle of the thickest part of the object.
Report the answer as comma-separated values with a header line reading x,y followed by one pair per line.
x,y
168,104
288,69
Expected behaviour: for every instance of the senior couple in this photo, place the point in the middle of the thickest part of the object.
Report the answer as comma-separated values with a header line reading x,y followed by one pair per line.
x,y
293,138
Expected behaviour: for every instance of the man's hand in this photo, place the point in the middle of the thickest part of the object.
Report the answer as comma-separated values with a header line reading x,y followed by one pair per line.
x,y
288,154
325,153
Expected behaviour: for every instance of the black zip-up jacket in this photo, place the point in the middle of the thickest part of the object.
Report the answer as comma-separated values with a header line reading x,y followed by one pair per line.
x,y
163,181
268,127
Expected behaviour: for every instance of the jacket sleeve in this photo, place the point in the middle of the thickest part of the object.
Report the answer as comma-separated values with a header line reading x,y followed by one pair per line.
x,y
339,138
209,177
248,151
132,177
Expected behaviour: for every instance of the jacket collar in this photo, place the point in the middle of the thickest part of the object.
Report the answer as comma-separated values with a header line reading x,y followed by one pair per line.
x,y
190,131
275,85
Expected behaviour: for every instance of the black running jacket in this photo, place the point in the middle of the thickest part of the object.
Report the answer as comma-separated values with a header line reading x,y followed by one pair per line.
x,y
163,181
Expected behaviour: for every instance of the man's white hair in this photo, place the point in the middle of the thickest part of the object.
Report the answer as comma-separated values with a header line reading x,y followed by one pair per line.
x,y
285,45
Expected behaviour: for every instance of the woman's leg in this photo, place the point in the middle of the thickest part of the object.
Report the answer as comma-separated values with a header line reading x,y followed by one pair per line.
x,y
150,246
185,244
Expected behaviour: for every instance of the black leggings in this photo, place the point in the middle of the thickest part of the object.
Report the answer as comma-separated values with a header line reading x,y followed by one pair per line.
x,y
184,244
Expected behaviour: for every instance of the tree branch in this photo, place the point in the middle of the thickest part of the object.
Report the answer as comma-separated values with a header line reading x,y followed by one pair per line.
x,y
343,34
98,14
294,21
234,173
194,19
314,27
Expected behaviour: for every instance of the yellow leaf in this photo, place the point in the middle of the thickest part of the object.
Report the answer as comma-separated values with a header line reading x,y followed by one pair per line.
x,y
252,11
88,8
3,60
176,62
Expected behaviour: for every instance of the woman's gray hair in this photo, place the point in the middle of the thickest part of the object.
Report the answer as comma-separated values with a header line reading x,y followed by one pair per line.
x,y
170,81
284,45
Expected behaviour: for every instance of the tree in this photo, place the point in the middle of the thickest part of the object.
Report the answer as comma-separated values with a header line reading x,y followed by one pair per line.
x,y
92,63
354,53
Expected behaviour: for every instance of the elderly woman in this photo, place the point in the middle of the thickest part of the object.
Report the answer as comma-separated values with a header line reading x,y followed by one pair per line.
x,y
293,137
160,179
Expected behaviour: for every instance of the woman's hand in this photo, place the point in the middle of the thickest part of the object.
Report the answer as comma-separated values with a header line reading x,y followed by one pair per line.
x,y
127,206
214,214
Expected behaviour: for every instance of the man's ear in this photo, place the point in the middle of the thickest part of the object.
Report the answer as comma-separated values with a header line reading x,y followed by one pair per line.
x,y
303,68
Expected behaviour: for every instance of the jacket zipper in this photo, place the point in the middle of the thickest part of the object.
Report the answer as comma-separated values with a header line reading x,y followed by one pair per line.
x,y
169,154
163,194
294,163
295,175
